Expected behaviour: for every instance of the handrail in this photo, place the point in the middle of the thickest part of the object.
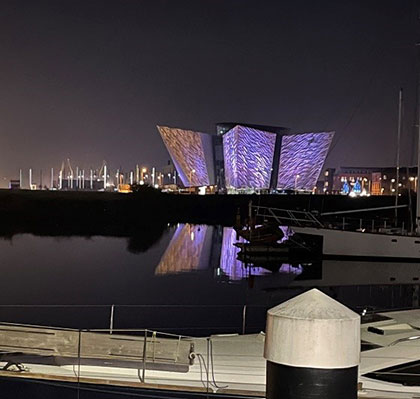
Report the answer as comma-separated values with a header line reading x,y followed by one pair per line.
x,y
281,215
239,310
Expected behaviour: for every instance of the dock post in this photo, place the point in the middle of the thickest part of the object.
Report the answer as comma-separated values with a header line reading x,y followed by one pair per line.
x,y
312,349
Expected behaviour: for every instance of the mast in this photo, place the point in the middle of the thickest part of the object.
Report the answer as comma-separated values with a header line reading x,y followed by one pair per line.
x,y
400,100
418,146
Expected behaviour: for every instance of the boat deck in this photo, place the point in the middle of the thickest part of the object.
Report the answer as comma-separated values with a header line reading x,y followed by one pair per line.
x,y
220,364
230,364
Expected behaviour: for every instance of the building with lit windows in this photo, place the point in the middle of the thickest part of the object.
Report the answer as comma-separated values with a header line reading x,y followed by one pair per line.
x,y
246,158
368,180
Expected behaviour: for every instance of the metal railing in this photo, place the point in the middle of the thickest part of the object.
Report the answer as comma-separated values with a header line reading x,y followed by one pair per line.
x,y
287,217
208,360
241,318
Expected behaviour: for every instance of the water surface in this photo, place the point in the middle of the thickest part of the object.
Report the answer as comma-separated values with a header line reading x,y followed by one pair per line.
x,y
189,281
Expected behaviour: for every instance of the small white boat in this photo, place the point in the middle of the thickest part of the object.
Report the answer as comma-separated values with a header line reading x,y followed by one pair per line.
x,y
337,241
358,244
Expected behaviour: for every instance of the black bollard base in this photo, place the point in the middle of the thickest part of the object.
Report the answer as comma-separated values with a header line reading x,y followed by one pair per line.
x,y
288,382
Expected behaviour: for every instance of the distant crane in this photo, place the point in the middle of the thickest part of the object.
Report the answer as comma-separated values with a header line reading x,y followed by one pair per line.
x,y
66,172
103,172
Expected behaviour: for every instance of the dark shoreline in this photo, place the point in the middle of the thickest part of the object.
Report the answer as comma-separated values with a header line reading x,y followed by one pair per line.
x,y
148,212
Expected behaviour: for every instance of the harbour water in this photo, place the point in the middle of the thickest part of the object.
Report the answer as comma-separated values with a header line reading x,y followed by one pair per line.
x,y
188,282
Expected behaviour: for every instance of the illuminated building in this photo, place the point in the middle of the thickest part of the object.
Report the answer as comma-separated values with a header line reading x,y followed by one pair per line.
x,y
372,180
192,155
301,160
247,158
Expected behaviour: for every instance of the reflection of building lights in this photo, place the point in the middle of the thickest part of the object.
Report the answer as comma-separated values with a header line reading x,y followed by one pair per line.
x,y
411,178
144,170
141,182
156,185
192,236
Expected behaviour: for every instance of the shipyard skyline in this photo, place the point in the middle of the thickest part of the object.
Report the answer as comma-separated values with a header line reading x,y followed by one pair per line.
x,y
98,86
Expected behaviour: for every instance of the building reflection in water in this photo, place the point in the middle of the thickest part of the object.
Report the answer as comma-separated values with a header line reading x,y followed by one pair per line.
x,y
230,266
189,250
200,247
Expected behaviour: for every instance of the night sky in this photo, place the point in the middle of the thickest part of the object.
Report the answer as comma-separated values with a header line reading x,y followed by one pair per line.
x,y
89,80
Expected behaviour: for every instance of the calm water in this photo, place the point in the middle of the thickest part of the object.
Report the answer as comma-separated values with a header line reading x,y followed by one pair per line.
x,y
190,281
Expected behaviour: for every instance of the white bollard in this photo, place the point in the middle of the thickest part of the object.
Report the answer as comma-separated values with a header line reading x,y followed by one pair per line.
x,y
312,348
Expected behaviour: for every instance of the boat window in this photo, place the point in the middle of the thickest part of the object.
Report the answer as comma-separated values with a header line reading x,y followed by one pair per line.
x,y
394,240
405,374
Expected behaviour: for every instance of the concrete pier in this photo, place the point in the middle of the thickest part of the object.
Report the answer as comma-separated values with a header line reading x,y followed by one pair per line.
x,y
312,349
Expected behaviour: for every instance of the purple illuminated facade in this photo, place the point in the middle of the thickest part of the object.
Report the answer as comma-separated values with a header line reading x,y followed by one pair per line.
x,y
301,160
248,155
191,153
247,158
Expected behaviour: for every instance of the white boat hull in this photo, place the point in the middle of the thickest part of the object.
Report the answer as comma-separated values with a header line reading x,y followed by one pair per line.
x,y
342,243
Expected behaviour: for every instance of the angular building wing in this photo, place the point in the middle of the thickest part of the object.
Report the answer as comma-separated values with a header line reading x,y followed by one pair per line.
x,y
248,157
191,153
301,160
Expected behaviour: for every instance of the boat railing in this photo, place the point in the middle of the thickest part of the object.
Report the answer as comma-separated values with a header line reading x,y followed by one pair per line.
x,y
136,358
287,217
114,317
372,225
333,220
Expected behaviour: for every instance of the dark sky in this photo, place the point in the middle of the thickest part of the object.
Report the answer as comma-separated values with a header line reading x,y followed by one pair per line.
x,y
89,80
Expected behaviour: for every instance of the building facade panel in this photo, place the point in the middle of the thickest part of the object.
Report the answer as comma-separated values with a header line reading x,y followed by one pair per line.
x,y
248,158
186,148
301,160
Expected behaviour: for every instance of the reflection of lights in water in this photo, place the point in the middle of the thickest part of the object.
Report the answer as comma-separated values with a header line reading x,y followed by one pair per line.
x,y
290,269
229,264
184,252
287,233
